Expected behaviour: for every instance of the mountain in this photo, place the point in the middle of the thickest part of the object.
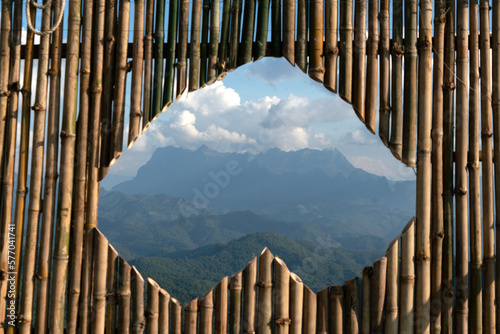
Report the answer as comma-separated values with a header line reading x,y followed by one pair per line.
x,y
187,274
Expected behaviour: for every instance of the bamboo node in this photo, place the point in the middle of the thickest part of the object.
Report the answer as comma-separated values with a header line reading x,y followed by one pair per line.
x,y
38,107
129,66
66,135
398,50
15,87
137,113
110,38
423,257
22,192
97,89
439,235
41,277
123,293
74,291
84,71
222,64
261,284
487,134
3,275
407,277
52,72
332,51
4,93
461,191
283,322
450,85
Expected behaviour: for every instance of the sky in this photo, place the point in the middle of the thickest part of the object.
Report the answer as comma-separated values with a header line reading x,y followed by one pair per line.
x,y
259,106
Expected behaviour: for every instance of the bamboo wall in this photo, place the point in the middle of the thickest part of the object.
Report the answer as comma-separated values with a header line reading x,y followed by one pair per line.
x,y
441,116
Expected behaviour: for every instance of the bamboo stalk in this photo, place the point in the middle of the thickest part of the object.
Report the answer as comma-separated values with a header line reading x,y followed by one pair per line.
x,y
310,304
407,278
302,31
137,67
98,319
496,130
345,49
182,53
108,85
234,38
194,50
396,141
391,292
336,314
224,40
191,317
378,295
221,307
385,75
148,65
124,292
276,28
448,172
359,59
249,296
116,143
316,69
207,312
265,302
176,316
213,48
138,321
487,169
112,290
322,309
36,175
281,297
235,287
164,322
288,50
410,85
153,308
352,306
331,50
247,33
204,43
158,54
365,299
372,67
262,28
296,303
168,92
462,251
423,212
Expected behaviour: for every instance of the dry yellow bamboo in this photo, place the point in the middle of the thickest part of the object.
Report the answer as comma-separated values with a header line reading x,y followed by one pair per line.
x,y
372,67
265,302
182,48
331,50
407,278
288,49
378,295
345,63
495,41
296,303
98,319
352,306
385,75
176,316
123,294
391,292
310,307
153,308
281,297
365,299
148,65
316,69
112,290
191,317
396,142
213,49
163,323
194,47
4,88
336,314
221,306
138,321
235,287
359,59
207,312
302,33
249,296
322,310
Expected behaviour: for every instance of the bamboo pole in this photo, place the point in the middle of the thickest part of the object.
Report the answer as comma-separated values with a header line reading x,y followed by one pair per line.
x,y
365,299
159,36
407,278
496,130
378,295
194,50
372,51
248,32
148,65
137,67
462,250
164,321
385,75
282,318
204,43
396,141
336,314
234,38
138,320
191,317
112,291
176,316
182,53
98,319
235,287
288,49
345,62
310,311
302,32
124,292
153,308
322,309
331,50
221,306
410,85
168,92
262,29
116,142
213,47
487,169
359,59
391,292
476,304
276,28
224,40
296,303
249,296
316,69
265,302
423,211
352,306
36,175
448,172
207,312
